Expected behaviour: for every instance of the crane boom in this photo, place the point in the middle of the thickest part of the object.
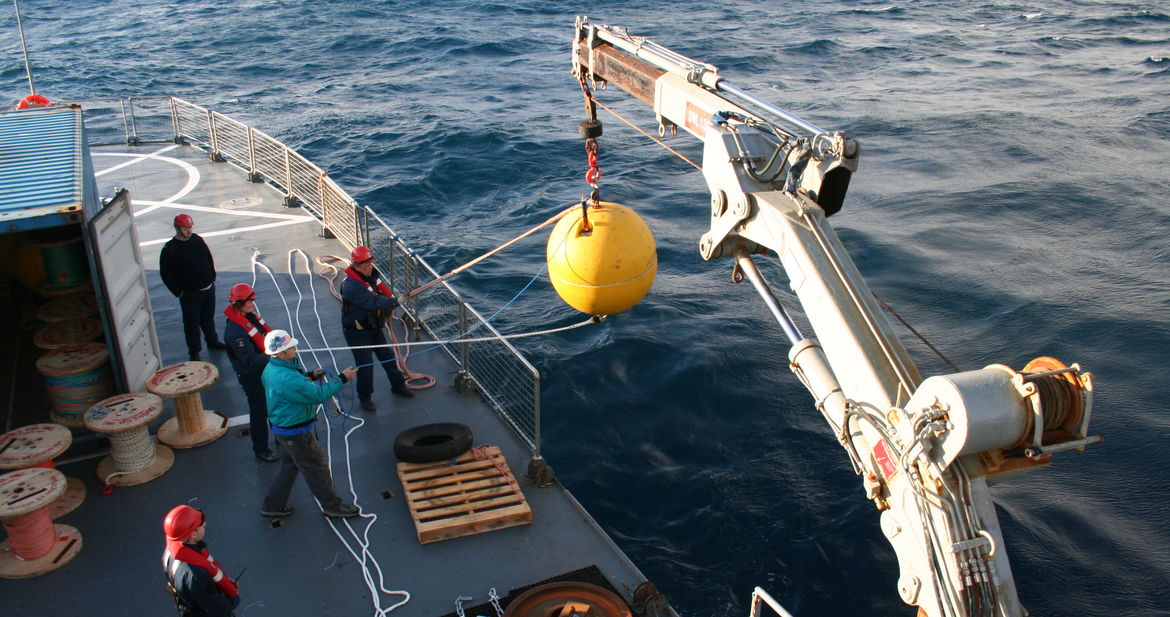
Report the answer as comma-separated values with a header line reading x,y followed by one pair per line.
x,y
927,450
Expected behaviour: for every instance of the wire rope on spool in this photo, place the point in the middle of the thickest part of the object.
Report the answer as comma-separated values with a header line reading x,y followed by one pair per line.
x,y
76,376
69,332
1059,391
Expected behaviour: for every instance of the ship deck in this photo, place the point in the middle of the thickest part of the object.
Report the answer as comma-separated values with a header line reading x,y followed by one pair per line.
x,y
299,567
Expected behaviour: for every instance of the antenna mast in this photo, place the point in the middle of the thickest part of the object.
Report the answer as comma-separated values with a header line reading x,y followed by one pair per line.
x,y
27,68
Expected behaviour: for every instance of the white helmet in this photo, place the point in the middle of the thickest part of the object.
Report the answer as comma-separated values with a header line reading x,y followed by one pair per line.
x,y
278,341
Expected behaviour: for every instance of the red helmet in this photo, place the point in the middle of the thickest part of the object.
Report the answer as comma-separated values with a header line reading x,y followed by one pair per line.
x,y
184,220
181,522
241,291
361,254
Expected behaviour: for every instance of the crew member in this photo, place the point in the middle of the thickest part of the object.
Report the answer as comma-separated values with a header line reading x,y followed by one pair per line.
x,y
293,395
366,303
188,270
244,336
198,585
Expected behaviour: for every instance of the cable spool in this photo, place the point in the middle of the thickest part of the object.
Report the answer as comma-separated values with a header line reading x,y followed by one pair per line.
x,y
77,306
70,332
192,425
76,376
134,457
36,445
568,598
65,262
34,545
1060,394
604,266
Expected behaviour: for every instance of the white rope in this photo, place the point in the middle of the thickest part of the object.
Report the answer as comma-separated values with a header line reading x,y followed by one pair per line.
x,y
132,451
366,558
484,339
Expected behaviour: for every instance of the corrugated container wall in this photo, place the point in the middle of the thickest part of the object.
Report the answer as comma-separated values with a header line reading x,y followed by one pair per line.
x,y
46,177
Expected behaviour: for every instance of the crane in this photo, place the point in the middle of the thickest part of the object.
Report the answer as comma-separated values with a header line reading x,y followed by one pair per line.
x,y
927,450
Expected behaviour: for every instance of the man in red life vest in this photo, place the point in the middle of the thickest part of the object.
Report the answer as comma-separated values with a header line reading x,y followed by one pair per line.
x,y
244,336
366,303
196,582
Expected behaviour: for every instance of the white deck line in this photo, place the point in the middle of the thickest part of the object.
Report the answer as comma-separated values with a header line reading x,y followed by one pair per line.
x,y
304,219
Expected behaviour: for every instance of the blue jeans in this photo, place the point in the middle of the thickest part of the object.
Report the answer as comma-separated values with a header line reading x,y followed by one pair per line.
x,y
385,355
198,314
303,454
257,411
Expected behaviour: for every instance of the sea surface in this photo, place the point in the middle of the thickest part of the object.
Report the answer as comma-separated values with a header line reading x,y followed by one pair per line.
x,y
1012,201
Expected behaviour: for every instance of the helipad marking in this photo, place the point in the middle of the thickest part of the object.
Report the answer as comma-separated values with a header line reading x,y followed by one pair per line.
x,y
193,176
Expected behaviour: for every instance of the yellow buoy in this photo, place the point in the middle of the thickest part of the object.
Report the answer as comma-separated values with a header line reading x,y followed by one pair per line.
x,y
604,270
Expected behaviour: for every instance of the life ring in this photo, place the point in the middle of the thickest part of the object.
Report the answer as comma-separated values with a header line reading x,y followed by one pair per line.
x,y
430,443
33,100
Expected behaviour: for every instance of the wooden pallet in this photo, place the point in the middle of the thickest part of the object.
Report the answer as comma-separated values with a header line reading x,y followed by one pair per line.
x,y
468,497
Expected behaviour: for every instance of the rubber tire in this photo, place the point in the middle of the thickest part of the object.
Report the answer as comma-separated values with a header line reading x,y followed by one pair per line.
x,y
430,443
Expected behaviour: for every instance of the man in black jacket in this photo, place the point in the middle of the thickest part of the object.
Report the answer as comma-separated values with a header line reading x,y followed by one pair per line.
x,y
188,270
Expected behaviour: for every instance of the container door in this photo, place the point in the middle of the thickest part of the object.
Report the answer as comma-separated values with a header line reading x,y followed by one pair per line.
x,y
120,272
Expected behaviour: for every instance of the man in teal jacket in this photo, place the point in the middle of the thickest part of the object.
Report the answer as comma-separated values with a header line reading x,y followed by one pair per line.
x,y
293,395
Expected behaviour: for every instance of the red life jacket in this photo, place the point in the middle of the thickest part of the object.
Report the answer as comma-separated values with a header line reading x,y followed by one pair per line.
x,y
177,551
254,330
381,290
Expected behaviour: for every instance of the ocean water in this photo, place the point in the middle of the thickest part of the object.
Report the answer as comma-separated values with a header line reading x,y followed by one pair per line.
x,y
1012,201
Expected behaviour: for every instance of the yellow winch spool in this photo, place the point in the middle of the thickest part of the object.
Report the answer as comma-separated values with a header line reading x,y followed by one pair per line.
x,y
606,269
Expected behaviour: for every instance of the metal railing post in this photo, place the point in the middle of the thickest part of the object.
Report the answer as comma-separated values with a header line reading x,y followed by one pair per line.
x,y
463,365
253,175
125,122
758,596
536,416
175,119
289,198
212,134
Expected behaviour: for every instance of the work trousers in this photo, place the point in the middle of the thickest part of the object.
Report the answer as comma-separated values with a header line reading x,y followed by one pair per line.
x,y
303,454
198,314
257,411
363,357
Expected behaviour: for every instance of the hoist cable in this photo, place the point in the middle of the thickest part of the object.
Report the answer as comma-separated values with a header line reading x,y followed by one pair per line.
x,y
653,138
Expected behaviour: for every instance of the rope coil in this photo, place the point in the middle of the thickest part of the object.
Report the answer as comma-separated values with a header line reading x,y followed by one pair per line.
x,y
32,535
132,451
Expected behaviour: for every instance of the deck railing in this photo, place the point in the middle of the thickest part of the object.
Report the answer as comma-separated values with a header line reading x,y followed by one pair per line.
x,y
760,598
487,362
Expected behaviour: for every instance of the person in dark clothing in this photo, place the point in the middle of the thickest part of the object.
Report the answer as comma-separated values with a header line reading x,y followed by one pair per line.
x,y
244,336
196,582
366,303
188,271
